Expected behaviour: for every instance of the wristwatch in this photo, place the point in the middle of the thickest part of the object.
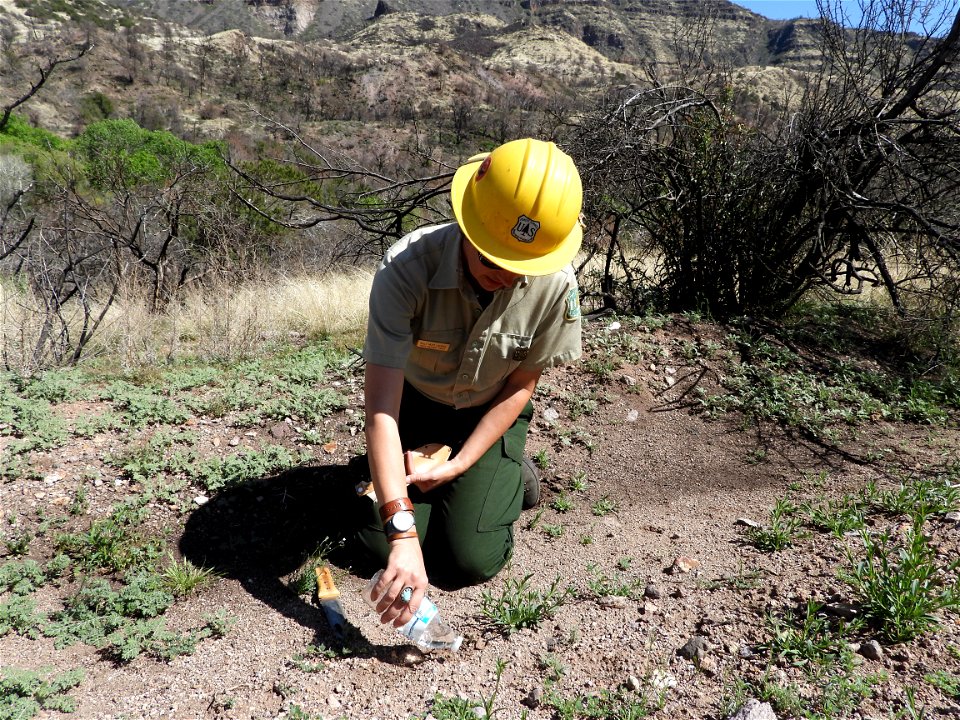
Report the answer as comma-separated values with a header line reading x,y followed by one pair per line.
x,y
400,521
400,525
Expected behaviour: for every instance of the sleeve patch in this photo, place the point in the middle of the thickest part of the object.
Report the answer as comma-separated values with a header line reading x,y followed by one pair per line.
x,y
573,305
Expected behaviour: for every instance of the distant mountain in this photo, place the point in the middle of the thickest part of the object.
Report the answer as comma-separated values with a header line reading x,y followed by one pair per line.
x,y
627,31
479,65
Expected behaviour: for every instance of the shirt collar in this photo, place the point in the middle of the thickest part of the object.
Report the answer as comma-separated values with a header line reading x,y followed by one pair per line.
x,y
450,270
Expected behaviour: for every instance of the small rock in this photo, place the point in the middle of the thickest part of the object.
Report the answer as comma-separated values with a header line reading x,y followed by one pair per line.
x,y
844,611
746,522
633,684
632,416
551,415
660,680
871,650
754,710
234,441
902,655
533,698
330,448
478,711
670,370
628,380
653,592
216,442
745,651
684,564
334,702
613,326
669,381
708,666
694,649
201,500
953,516
613,602
648,608
52,479
280,430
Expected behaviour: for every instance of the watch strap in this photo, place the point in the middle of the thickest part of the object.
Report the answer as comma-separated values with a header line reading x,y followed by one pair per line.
x,y
411,533
393,506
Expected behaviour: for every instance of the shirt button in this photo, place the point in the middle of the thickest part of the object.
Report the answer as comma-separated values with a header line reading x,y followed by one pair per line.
x,y
463,377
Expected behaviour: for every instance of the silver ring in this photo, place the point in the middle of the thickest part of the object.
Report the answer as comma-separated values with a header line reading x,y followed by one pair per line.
x,y
406,594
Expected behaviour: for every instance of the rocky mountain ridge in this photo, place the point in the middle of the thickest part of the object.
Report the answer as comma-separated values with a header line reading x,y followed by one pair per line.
x,y
627,31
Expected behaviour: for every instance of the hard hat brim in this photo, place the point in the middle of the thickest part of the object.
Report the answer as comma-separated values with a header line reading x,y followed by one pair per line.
x,y
504,252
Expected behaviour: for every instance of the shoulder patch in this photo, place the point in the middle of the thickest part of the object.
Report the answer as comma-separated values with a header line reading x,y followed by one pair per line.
x,y
573,304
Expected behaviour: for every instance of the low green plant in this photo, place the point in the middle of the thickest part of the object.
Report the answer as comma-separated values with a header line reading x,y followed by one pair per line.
x,y
603,506
562,503
314,658
607,704
603,585
741,580
458,708
182,577
579,482
923,495
836,516
127,622
216,473
143,406
781,531
19,614
519,606
553,667
542,459
911,708
798,639
116,542
901,585
18,544
24,693
24,577
553,530
945,682
568,437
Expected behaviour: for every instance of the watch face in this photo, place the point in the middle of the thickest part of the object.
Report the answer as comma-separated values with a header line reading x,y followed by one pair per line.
x,y
402,520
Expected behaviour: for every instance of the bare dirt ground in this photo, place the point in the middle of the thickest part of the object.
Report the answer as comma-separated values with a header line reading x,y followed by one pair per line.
x,y
661,483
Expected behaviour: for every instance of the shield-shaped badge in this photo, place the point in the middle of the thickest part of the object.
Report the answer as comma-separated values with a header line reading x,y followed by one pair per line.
x,y
526,229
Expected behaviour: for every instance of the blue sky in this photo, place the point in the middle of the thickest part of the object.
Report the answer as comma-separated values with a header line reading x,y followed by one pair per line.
x,y
788,9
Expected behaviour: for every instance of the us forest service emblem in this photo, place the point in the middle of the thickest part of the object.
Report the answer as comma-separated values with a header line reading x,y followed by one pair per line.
x,y
525,230
573,305
520,354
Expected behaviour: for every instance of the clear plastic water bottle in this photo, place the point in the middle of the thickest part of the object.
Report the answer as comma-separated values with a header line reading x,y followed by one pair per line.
x,y
426,628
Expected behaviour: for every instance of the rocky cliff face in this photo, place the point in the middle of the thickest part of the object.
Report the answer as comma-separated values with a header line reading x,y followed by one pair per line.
x,y
624,31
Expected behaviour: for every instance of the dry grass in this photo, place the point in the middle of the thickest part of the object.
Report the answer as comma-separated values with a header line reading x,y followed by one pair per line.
x,y
224,323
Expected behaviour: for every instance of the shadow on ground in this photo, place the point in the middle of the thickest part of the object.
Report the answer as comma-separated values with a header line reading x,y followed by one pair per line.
x,y
264,532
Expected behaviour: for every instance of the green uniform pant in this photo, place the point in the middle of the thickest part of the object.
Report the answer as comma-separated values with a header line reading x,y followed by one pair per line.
x,y
465,526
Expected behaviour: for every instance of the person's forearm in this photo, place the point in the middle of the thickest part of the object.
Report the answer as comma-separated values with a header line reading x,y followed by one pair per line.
x,y
502,413
385,456
382,392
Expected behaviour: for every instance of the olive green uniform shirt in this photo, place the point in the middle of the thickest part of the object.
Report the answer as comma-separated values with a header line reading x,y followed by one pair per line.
x,y
425,318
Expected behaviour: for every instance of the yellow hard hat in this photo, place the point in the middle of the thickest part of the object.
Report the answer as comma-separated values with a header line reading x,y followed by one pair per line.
x,y
520,206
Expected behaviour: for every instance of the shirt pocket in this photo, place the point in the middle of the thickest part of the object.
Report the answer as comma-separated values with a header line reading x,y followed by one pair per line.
x,y
438,351
504,354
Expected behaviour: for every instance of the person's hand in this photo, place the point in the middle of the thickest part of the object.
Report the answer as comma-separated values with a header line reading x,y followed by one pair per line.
x,y
426,478
404,569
